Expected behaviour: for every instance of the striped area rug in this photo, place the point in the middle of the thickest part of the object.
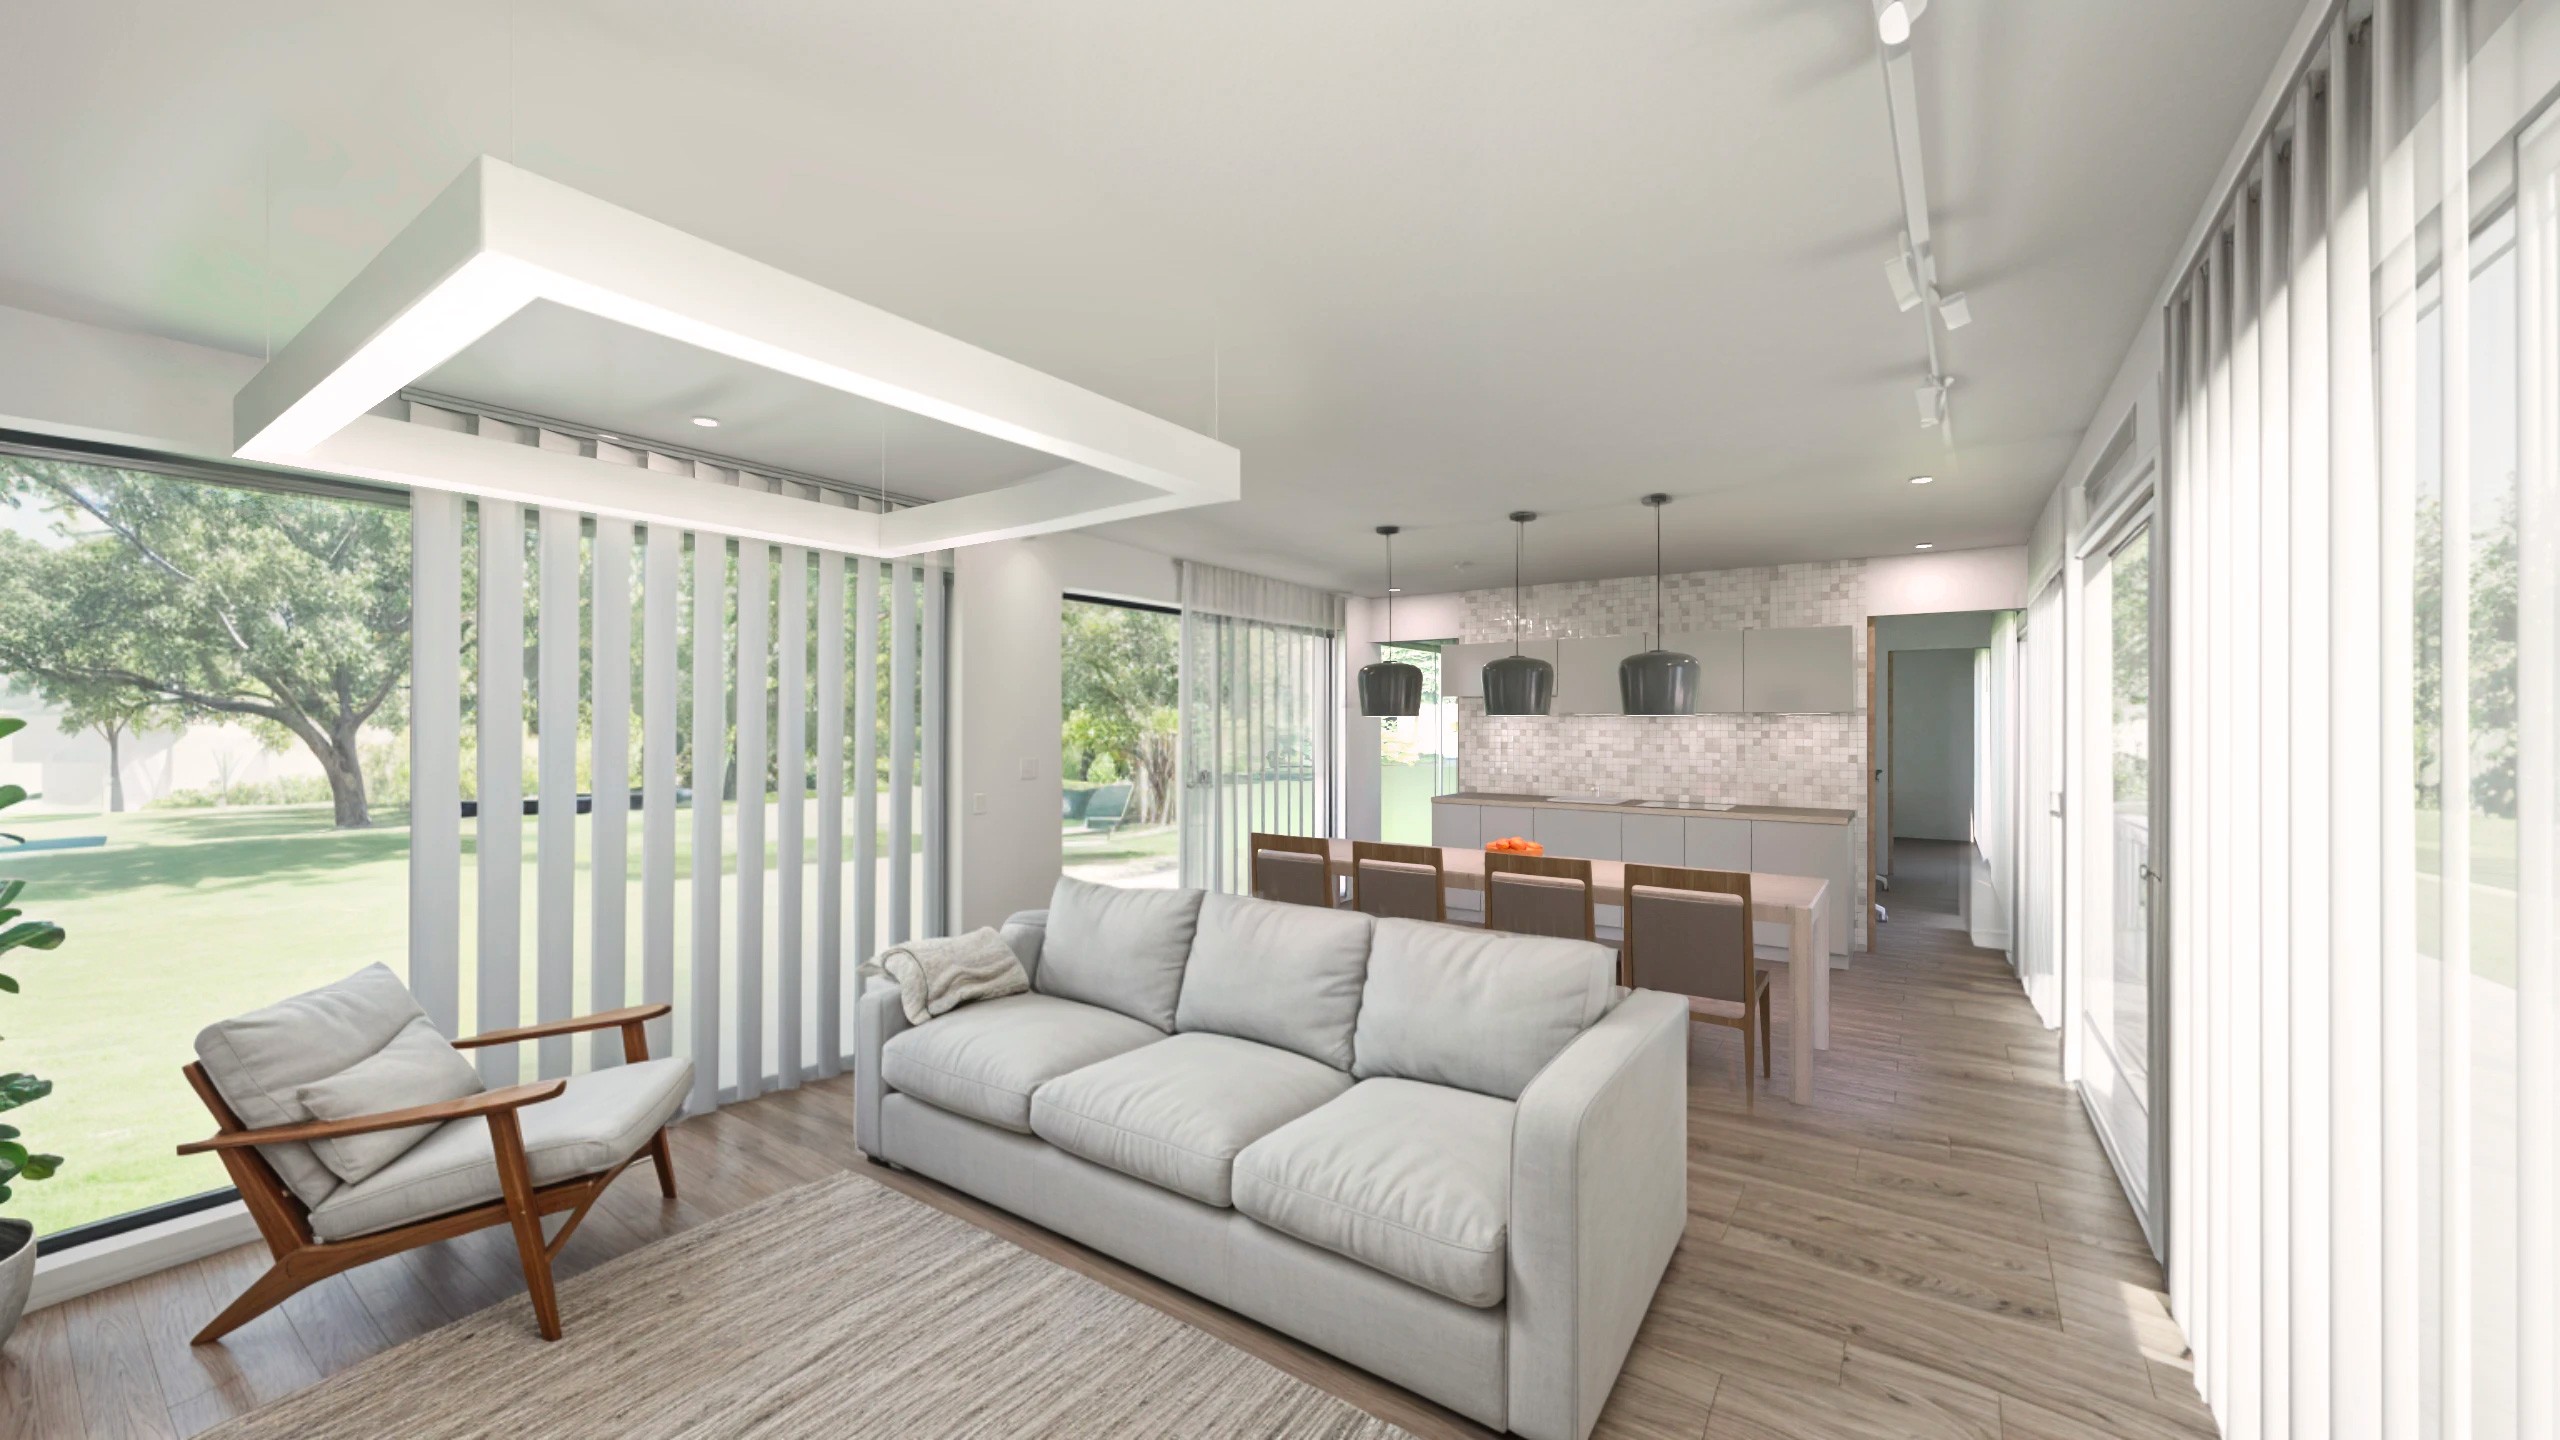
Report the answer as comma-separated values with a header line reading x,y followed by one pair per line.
x,y
838,1308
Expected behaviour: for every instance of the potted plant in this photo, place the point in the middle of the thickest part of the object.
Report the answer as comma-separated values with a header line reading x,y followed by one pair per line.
x,y
17,1162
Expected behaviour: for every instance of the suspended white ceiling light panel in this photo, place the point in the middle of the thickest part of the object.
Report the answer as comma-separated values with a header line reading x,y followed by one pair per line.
x,y
500,239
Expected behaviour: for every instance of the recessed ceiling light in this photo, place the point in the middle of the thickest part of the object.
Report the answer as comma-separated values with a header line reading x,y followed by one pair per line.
x,y
1395,589
603,436
706,422
1925,545
1924,479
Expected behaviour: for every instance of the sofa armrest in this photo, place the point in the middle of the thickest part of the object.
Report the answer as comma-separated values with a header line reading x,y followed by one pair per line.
x,y
877,1017
1599,1196
1025,930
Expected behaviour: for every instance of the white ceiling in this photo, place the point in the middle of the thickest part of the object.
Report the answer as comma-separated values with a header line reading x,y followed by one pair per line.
x,y
1453,257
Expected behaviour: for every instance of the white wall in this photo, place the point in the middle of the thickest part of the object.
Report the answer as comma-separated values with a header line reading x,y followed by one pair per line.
x,y
1944,580
1006,706
60,377
1932,771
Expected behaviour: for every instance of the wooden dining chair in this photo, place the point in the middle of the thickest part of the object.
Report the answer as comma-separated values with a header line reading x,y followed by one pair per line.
x,y
1538,895
1398,882
1688,932
1293,869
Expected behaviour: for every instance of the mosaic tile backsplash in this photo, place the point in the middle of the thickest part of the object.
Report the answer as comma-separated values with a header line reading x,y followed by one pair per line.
x,y
1810,760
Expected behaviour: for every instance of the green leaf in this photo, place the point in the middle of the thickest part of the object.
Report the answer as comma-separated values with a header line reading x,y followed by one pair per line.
x,y
8,986
13,1154
9,891
11,795
8,1132
43,1167
4,1194
10,725
31,935
21,1089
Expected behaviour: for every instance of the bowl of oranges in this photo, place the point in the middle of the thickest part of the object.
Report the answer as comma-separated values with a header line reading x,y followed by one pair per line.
x,y
1516,845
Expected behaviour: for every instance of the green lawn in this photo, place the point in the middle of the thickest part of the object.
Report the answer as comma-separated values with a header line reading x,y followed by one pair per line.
x,y
188,916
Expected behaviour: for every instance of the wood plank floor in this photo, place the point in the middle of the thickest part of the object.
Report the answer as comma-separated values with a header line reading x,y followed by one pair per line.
x,y
1935,1248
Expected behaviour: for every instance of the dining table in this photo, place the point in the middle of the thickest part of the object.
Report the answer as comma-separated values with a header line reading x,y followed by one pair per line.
x,y
1800,902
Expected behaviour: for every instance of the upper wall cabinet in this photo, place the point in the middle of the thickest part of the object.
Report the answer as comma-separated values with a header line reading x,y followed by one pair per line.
x,y
1462,666
1587,673
1802,670
1719,655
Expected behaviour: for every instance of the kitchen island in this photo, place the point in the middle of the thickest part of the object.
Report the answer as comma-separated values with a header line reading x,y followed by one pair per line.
x,y
1703,835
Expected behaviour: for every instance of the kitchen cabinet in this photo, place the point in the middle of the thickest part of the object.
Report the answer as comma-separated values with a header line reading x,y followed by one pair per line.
x,y
1497,822
1457,827
1719,656
1462,666
1785,848
1653,840
1803,670
1717,844
1587,673
1581,834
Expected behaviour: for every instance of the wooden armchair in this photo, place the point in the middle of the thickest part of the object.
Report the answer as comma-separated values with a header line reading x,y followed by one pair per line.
x,y
303,1256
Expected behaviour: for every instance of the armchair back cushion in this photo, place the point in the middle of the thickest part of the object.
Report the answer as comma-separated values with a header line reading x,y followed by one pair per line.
x,y
418,1067
1287,975
1123,950
260,1061
1479,1010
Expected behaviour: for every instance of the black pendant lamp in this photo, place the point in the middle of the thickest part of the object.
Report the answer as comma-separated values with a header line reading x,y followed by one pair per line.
x,y
1658,681
1518,684
1390,687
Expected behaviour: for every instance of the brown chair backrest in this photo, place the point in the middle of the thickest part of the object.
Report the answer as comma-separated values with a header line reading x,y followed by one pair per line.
x,y
1398,882
1293,869
1537,895
1650,936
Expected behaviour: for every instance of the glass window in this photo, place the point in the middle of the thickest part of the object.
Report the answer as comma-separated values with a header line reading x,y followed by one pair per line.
x,y
216,756
1120,680
1417,754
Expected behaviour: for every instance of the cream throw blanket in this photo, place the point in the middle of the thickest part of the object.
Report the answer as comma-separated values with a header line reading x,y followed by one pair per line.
x,y
935,975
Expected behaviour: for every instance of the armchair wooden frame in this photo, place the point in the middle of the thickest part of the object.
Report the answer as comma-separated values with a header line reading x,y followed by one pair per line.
x,y
1755,981
302,1258
1553,867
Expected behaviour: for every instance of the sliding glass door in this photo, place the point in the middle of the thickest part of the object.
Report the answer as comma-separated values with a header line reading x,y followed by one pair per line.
x,y
2117,989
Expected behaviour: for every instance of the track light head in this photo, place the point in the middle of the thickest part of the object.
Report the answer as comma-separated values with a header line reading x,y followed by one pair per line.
x,y
1953,310
1894,17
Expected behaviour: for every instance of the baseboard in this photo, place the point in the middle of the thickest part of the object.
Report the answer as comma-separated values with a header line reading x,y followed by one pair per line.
x,y
137,1253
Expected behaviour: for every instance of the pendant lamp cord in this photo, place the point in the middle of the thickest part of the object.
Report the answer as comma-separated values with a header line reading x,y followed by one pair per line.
x,y
1657,578
1391,590
1519,543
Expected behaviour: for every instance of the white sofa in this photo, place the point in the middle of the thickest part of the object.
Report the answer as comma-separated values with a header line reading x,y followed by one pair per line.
x,y
1453,1158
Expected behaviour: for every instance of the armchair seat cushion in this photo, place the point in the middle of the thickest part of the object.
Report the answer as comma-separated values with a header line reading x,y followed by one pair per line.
x,y
1408,1178
1175,1113
603,1118
984,1060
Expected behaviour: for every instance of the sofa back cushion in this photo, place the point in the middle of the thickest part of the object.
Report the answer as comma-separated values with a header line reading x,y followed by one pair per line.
x,y
1286,975
1473,1009
260,1061
1120,949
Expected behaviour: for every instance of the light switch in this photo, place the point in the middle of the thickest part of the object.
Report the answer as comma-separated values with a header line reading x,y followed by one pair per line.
x,y
978,803
1030,769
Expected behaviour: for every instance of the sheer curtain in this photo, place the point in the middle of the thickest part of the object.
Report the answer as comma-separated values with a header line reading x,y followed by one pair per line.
x,y
1261,716
2364,375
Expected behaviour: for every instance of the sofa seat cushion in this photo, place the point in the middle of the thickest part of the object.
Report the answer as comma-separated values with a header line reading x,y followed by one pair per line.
x,y
600,1120
984,1060
1407,1178
1175,1113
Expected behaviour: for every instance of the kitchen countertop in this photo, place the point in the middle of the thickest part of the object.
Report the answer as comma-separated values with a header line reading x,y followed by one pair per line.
x,y
1799,814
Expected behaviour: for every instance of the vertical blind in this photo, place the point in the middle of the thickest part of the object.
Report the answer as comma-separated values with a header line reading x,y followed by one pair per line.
x,y
755,685
1261,707
2363,529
